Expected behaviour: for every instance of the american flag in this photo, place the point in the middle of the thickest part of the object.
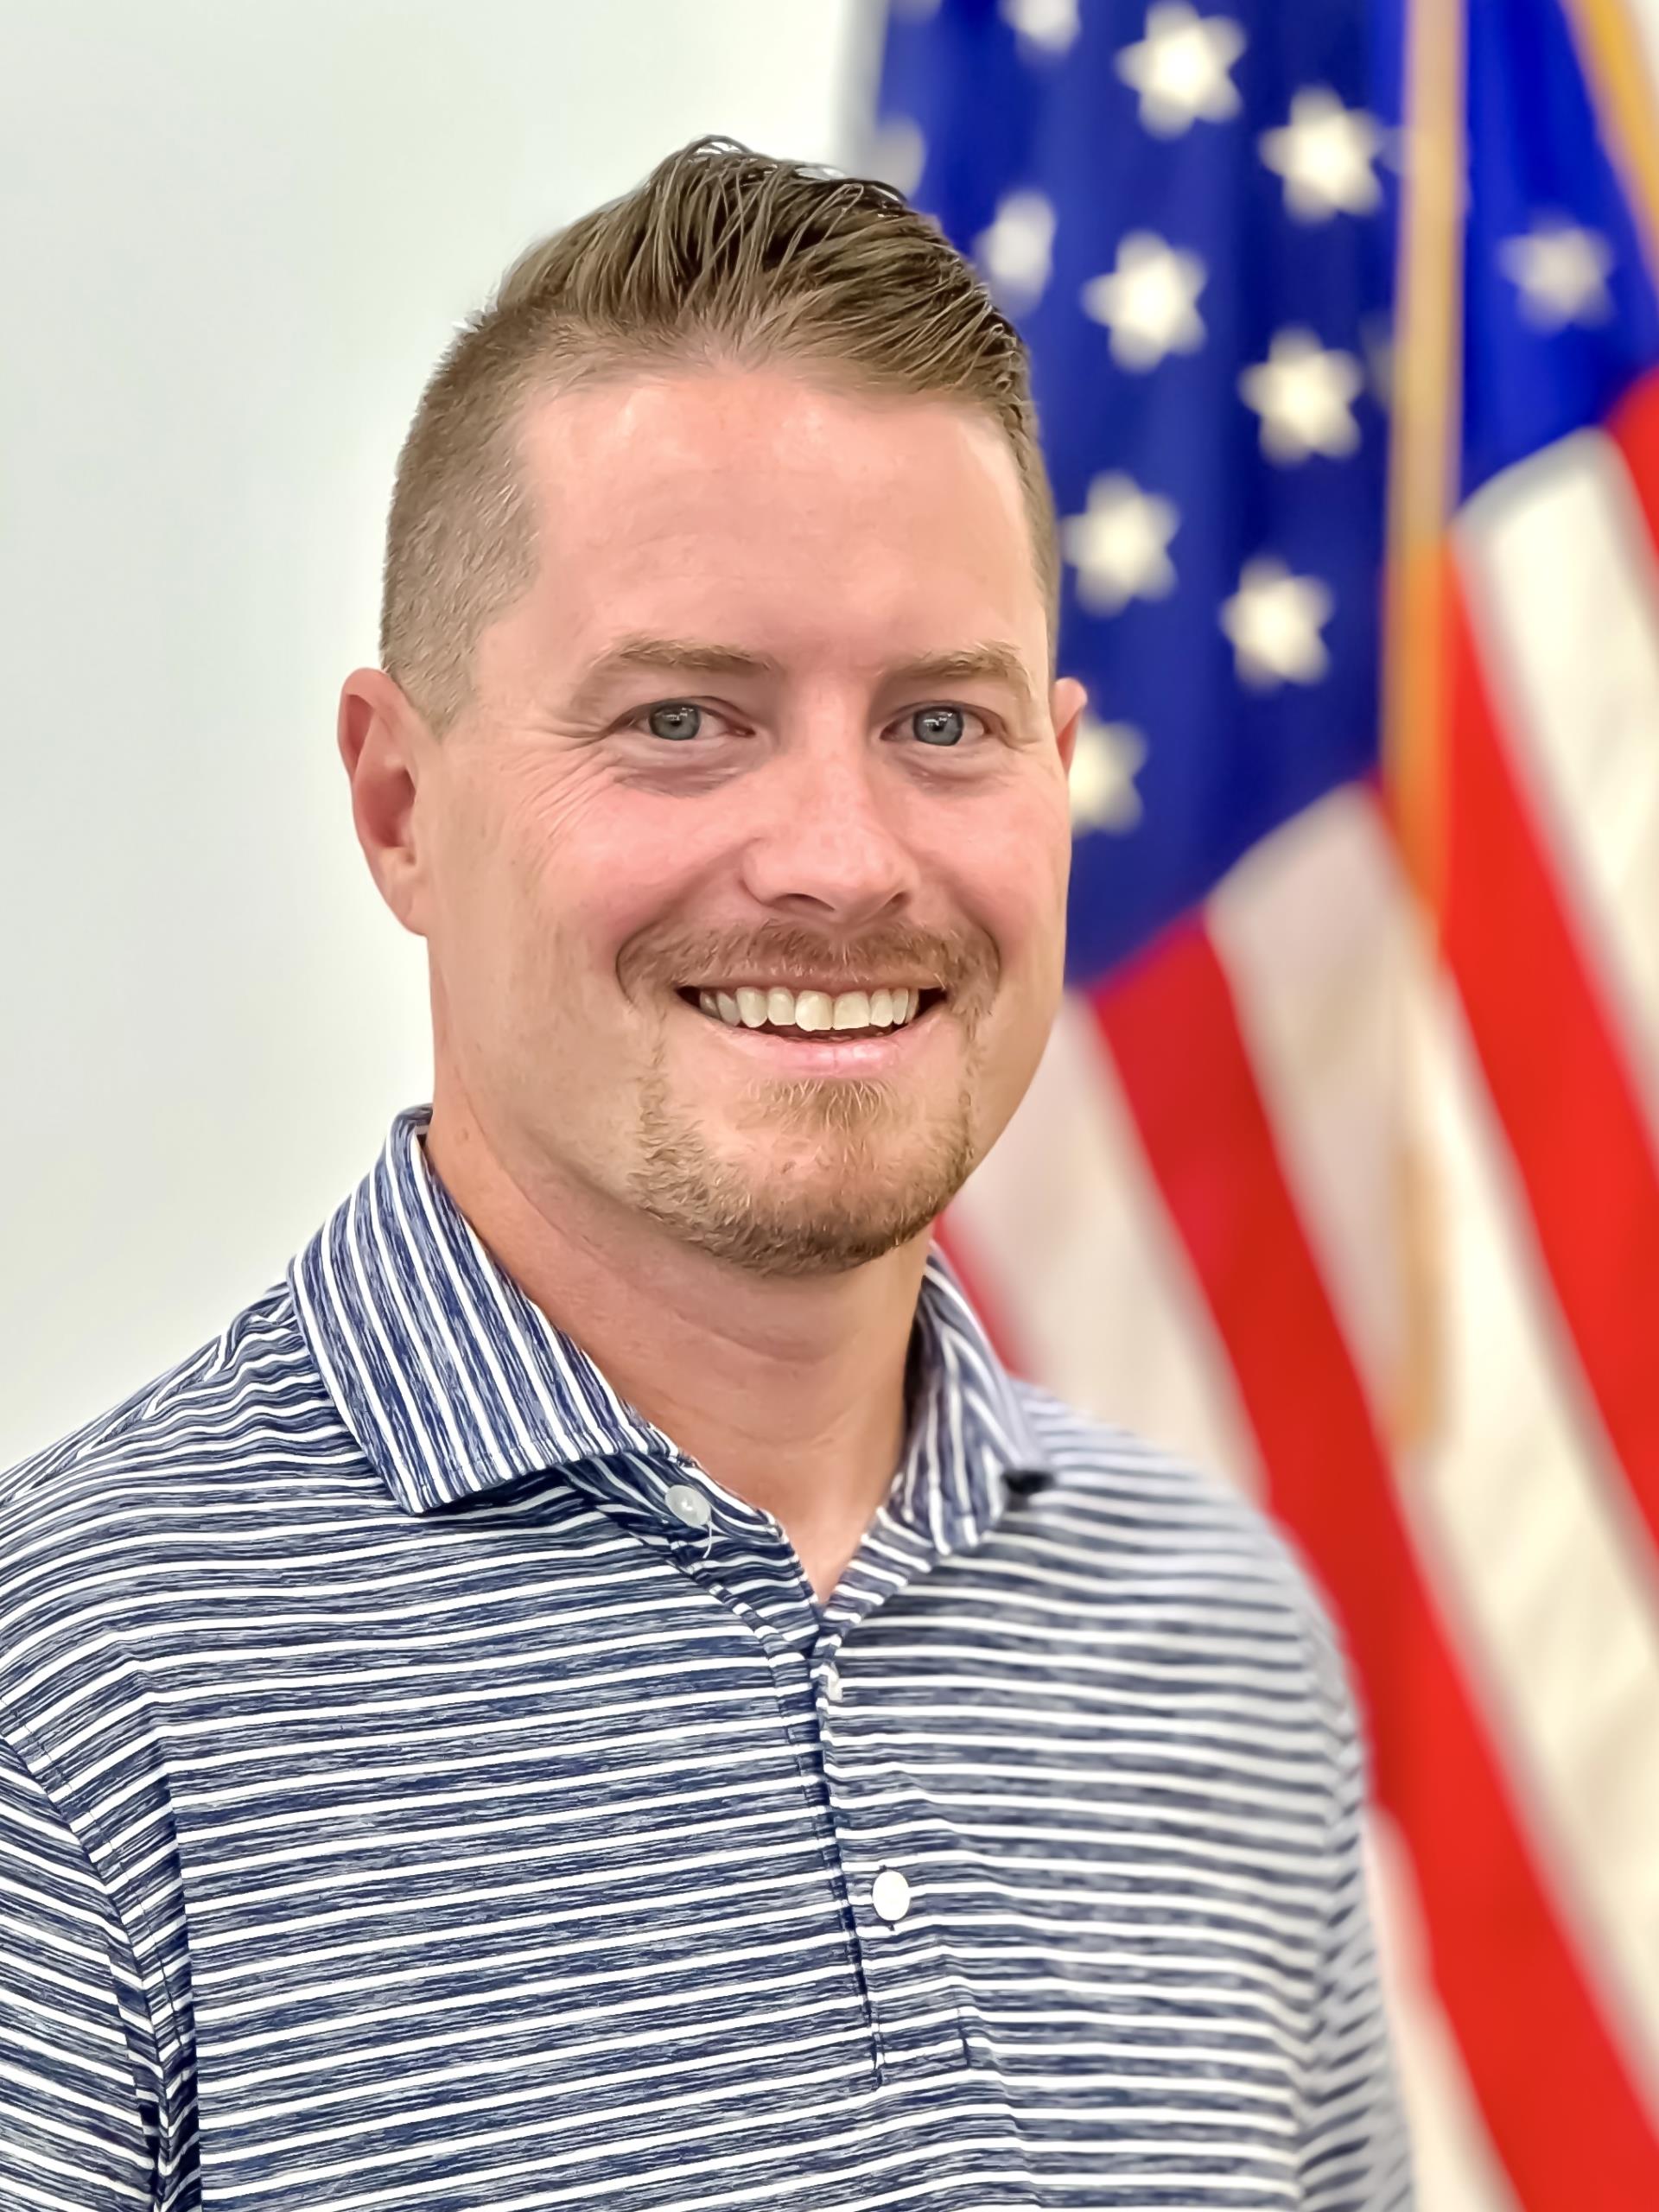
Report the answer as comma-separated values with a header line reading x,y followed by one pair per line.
x,y
1342,1171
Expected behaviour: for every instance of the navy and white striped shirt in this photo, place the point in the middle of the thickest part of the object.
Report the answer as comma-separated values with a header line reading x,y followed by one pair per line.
x,y
422,1787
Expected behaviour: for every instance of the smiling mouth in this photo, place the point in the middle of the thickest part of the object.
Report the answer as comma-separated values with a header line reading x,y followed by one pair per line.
x,y
825,1017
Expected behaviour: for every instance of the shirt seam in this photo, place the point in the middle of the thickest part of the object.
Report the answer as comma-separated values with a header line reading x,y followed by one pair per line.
x,y
53,1785
1346,1733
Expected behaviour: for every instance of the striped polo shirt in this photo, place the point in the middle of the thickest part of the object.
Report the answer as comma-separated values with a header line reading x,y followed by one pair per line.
x,y
423,1789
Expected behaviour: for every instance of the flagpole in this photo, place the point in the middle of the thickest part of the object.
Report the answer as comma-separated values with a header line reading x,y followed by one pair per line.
x,y
1617,66
1423,452
1424,449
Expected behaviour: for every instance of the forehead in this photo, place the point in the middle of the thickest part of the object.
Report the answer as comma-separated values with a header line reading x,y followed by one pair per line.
x,y
765,504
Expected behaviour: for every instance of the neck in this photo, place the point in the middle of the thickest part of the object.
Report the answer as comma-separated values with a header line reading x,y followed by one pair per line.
x,y
789,1392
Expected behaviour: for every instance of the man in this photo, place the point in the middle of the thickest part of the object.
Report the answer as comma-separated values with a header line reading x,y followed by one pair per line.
x,y
598,1690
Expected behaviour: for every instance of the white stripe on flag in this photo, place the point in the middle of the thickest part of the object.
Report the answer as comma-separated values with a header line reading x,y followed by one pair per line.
x,y
1542,1564
1065,1213
1563,589
1519,1513
1310,930
1454,2164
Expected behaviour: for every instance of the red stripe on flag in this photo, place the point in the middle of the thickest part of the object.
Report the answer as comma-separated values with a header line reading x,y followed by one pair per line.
x,y
1556,1073
1560,2109
1634,427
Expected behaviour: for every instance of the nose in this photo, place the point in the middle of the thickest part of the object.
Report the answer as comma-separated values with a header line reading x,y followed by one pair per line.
x,y
828,845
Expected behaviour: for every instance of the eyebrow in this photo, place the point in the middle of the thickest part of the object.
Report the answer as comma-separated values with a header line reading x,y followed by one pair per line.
x,y
991,662
668,656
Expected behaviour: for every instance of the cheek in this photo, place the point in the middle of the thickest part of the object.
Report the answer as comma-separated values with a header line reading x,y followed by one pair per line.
x,y
630,871
1009,866
514,851
578,870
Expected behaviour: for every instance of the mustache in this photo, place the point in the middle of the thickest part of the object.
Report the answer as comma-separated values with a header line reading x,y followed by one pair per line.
x,y
962,961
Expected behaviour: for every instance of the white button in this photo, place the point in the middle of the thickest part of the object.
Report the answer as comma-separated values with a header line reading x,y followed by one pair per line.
x,y
833,1686
890,1894
689,1505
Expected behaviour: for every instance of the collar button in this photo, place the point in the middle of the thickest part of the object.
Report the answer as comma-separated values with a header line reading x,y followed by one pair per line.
x,y
688,1503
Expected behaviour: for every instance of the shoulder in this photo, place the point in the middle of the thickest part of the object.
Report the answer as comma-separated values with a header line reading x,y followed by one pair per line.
x,y
1111,1472
124,1488
1139,1510
120,1539
195,1388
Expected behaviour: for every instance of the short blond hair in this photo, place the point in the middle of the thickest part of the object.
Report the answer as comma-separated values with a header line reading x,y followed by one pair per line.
x,y
721,256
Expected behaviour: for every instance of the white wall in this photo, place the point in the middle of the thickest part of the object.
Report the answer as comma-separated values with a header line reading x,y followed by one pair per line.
x,y
234,240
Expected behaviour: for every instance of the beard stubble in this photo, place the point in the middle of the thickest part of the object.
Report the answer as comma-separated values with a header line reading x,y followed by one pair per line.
x,y
859,1176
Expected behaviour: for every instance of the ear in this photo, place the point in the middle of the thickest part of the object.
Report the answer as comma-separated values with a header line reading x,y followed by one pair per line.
x,y
384,745
1065,706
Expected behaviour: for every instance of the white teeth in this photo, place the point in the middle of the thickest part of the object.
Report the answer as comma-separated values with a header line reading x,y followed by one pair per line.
x,y
750,1007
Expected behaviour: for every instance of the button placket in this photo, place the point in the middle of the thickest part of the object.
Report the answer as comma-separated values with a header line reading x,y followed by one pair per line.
x,y
907,1971
791,1665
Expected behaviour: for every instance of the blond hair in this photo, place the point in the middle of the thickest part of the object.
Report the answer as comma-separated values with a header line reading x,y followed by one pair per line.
x,y
721,256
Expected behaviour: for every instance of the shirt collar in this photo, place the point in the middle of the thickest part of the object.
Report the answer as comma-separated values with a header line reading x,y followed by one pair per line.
x,y
454,1384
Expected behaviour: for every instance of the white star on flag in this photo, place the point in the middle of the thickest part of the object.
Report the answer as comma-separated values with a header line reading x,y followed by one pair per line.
x,y
1120,546
1016,251
1324,155
1274,620
1149,302
1052,24
1181,68
1107,758
1304,398
1561,272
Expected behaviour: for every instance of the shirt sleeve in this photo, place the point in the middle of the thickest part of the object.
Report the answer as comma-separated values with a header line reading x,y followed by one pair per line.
x,y
78,2133
1356,2147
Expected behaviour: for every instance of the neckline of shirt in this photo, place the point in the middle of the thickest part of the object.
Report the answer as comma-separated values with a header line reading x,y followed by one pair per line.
x,y
454,1384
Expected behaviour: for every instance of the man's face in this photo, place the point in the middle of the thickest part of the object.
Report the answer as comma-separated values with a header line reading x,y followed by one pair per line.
x,y
773,720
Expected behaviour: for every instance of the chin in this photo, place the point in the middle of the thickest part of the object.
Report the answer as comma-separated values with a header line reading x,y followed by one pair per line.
x,y
795,1245
810,1215
814,1178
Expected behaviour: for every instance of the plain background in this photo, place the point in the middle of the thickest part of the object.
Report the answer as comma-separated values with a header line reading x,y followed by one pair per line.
x,y
233,242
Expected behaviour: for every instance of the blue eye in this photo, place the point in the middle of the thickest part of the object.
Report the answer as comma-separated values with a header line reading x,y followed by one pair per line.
x,y
940,725
676,719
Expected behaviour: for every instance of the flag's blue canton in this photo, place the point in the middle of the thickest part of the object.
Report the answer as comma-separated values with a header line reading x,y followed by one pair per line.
x,y
1542,361
1036,96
